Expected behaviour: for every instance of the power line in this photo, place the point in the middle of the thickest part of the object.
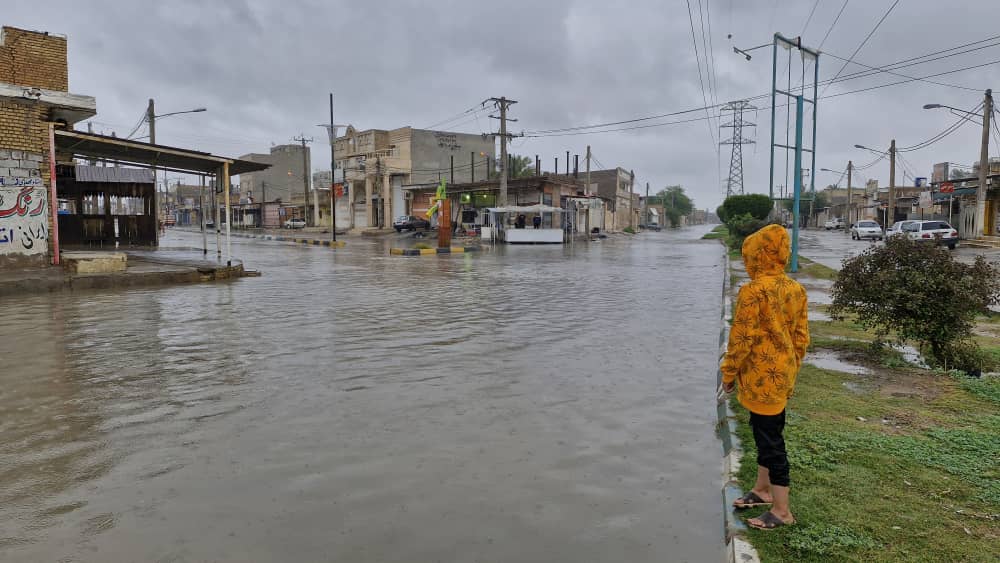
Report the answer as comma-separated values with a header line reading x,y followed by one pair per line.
x,y
694,41
809,19
947,131
869,36
835,20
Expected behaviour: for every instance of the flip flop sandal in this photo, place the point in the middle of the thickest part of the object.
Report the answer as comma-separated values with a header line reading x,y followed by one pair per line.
x,y
750,500
770,522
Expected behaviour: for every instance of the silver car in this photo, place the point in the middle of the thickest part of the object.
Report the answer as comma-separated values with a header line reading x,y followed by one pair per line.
x,y
866,229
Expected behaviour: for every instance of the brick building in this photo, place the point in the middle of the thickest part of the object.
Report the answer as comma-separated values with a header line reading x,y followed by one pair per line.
x,y
34,97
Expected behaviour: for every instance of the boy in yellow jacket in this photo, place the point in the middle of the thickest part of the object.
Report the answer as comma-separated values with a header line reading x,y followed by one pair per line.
x,y
767,341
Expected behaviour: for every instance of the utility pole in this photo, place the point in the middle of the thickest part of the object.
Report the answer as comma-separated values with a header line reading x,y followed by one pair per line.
x,y
587,191
850,203
984,166
502,103
151,119
890,212
333,175
201,211
734,184
305,175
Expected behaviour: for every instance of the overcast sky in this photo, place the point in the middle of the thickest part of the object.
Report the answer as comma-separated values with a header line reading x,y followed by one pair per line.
x,y
264,69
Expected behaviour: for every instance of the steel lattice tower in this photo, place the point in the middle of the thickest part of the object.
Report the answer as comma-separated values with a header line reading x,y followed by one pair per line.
x,y
734,184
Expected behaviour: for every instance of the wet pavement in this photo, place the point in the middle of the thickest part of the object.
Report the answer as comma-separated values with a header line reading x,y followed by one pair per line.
x,y
520,404
830,248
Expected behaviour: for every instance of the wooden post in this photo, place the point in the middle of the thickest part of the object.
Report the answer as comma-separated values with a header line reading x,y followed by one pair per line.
x,y
444,224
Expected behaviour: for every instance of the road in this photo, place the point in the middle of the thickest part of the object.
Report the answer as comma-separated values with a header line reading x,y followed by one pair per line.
x,y
522,404
830,248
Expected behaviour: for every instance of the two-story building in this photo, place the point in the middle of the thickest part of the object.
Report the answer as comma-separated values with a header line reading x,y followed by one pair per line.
x,y
378,163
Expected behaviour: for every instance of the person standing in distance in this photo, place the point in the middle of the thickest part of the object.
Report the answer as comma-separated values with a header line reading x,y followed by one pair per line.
x,y
767,341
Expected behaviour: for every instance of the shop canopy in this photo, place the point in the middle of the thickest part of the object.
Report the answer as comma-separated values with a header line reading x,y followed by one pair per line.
x,y
137,153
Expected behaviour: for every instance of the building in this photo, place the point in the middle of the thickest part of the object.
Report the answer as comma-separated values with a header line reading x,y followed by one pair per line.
x,y
286,182
379,163
614,186
34,93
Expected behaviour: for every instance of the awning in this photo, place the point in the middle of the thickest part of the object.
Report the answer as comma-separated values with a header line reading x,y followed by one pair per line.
x,y
938,196
539,208
654,212
137,153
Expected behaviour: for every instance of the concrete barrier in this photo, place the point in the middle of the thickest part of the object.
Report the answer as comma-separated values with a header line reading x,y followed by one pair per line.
x,y
432,251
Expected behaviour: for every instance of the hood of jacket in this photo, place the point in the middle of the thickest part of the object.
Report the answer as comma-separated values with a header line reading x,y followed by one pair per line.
x,y
766,252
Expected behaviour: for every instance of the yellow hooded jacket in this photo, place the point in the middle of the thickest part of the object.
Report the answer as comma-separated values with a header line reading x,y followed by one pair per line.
x,y
770,331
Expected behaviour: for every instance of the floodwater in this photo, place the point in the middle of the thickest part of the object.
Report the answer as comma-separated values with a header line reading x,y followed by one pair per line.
x,y
523,404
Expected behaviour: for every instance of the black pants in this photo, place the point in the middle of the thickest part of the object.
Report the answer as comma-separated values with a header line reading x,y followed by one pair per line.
x,y
767,434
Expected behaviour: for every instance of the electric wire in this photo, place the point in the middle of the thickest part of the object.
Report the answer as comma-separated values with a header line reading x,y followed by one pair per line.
x,y
865,41
937,137
832,25
704,99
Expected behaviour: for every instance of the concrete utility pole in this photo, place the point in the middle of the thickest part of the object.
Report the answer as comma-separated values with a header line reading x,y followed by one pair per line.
x,y
850,207
151,119
305,176
333,175
890,212
503,103
984,166
201,211
587,191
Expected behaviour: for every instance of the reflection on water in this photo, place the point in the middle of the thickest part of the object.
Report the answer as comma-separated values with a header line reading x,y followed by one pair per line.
x,y
527,403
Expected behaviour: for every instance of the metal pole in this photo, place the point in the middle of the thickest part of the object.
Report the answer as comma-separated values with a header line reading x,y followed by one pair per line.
x,y
984,166
774,86
850,207
151,119
229,240
798,183
333,175
201,211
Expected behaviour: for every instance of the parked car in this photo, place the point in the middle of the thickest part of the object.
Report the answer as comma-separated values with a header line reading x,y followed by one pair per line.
x,y
866,229
938,232
295,223
410,223
650,227
835,223
896,229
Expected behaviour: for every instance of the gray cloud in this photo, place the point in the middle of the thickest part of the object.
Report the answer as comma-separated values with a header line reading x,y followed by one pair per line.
x,y
264,69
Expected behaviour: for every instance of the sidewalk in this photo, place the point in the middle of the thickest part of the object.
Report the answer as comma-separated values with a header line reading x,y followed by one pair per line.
x,y
144,268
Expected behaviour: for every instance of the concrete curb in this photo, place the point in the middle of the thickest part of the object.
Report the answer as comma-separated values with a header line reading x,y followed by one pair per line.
x,y
737,548
432,251
280,238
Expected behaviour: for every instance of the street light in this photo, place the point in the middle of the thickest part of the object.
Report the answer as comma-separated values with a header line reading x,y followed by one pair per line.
x,y
952,110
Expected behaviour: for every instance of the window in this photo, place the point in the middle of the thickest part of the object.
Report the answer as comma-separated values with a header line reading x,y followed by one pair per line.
x,y
934,225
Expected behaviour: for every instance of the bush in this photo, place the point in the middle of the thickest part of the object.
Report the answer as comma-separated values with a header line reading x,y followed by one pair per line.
x,y
757,205
742,226
720,212
629,230
919,292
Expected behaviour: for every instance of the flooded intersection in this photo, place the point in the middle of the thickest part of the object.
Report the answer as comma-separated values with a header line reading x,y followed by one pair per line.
x,y
523,404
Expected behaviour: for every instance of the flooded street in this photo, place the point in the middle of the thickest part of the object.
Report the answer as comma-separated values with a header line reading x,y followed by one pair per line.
x,y
520,404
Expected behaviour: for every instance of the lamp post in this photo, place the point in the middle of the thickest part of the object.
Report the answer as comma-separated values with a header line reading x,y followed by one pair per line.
x,y
984,166
151,119
850,202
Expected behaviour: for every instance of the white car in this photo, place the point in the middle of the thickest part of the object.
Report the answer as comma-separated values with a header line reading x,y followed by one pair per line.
x,y
866,229
939,232
836,223
295,223
896,229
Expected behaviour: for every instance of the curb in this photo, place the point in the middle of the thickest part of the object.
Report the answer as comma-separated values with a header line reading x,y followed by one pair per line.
x,y
432,251
279,238
737,548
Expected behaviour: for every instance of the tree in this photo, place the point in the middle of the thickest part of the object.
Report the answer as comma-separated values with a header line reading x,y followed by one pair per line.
x,y
757,205
520,167
675,202
920,293
821,203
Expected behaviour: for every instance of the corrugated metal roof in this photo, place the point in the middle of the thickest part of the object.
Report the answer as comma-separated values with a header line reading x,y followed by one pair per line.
x,y
112,174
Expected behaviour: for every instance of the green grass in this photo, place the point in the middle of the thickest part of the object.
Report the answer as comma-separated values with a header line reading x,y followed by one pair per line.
x,y
924,487
719,232
808,268
854,482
